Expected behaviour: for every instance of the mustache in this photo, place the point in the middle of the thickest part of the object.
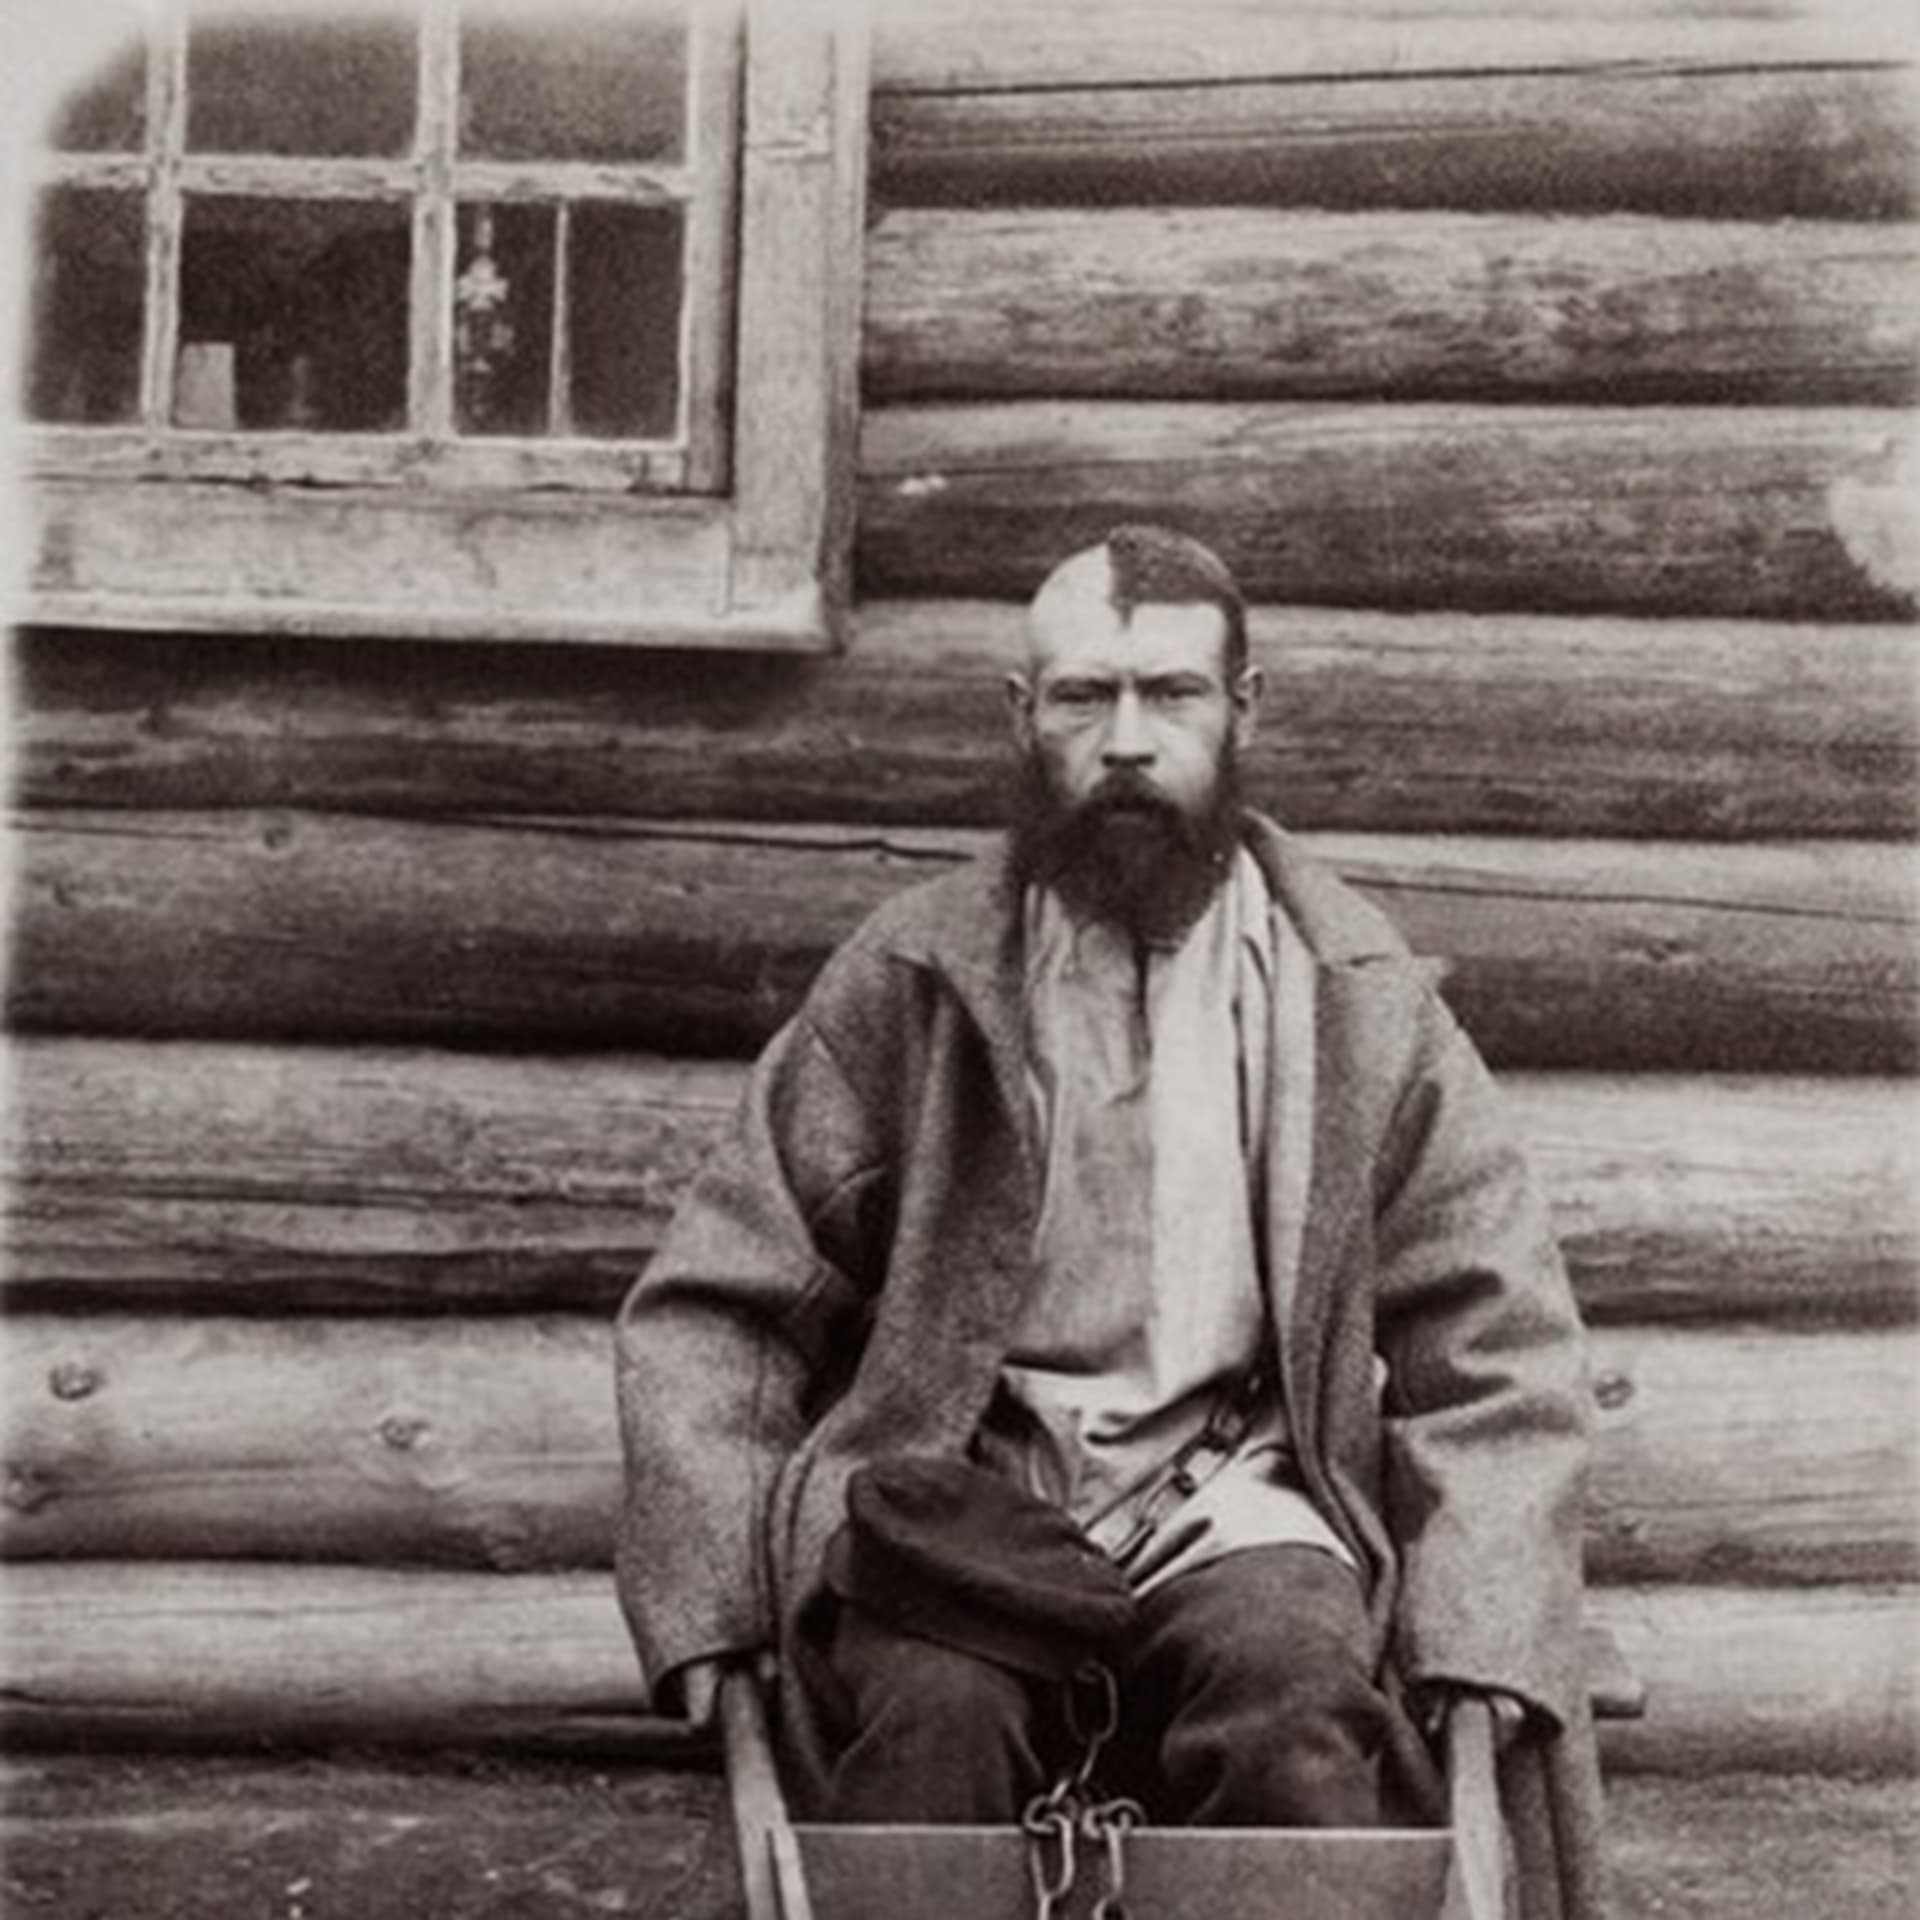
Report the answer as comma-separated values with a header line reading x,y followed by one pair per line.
x,y
1126,790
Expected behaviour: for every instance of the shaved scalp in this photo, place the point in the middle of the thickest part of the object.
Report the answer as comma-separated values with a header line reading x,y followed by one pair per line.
x,y
1137,566
1084,580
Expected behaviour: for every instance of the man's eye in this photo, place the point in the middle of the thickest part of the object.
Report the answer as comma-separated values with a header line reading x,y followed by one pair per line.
x,y
1077,699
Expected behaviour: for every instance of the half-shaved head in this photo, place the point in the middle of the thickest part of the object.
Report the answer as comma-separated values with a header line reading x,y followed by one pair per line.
x,y
1136,696
1137,566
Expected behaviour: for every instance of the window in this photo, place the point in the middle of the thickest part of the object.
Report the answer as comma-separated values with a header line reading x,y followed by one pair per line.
x,y
452,318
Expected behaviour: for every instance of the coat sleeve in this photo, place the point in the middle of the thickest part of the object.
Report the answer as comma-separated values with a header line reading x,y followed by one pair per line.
x,y
1486,1399
725,1347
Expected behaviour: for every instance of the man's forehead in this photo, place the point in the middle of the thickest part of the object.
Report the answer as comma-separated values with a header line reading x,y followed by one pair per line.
x,y
1074,625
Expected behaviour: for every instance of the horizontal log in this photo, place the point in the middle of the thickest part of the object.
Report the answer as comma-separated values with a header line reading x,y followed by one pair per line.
x,y
1796,142
1768,513
1137,303
98,1654
1792,1681
233,925
1729,1455
1788,1679
935,46
1670,950
1746,1199
1723,1455
1373,722
483,1441
261,1180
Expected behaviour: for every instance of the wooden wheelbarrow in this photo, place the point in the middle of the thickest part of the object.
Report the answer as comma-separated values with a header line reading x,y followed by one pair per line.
x,y
796,1871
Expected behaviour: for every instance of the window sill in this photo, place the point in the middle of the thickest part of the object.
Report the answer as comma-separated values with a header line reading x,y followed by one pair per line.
x,y
405,563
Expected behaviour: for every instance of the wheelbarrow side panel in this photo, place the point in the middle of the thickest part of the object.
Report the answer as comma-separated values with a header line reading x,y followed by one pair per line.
x,y
812,1872
980,1873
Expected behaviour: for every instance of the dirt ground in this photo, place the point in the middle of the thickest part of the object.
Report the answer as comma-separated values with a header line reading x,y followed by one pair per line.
x,y
444,1839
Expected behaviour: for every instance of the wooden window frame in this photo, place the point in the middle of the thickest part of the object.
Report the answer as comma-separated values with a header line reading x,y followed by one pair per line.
x,y
528,540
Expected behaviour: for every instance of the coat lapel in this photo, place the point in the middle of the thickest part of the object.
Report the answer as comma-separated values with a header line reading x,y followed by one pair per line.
x,y
974,946
1292,1153
1316,1174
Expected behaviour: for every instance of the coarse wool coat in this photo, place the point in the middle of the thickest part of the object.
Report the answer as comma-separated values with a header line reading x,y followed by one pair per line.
x,y
840,1283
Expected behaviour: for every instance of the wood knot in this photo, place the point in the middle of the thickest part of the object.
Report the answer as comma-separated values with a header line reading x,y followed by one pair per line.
x,y
27,1490
1612,1391
1662,950
74,1380
402,1431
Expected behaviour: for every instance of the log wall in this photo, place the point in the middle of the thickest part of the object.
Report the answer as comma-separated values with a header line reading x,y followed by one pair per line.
x,y
240,1179
1547,372
1375,722
1767,1456
592,932
1269,303
1766,1678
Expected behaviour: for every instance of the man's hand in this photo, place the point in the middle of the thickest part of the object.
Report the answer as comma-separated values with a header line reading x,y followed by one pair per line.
x,y
1508,1710
700,1691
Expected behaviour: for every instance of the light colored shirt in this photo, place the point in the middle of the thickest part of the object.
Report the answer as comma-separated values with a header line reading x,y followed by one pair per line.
x,y
1149,1070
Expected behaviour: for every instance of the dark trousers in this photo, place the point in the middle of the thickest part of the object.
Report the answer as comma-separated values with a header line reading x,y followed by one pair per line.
x,y
1246,1700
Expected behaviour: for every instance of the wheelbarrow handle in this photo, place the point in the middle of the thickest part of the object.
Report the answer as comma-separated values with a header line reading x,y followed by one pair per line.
x,y
1473,1809
771,1875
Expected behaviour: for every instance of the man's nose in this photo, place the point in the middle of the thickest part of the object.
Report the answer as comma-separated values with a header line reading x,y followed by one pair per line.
x,y
1127,744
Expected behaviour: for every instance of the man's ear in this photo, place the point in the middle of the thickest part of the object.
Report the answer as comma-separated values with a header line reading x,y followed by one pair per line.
x,y
1247,690
1019,691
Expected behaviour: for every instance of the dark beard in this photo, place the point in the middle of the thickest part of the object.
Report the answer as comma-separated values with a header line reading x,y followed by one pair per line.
x,y
1126,854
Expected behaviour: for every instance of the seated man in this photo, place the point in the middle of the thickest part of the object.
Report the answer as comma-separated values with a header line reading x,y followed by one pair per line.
x,y
1138,1166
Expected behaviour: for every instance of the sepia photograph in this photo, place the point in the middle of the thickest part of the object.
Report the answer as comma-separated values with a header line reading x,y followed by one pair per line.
x,y
961,960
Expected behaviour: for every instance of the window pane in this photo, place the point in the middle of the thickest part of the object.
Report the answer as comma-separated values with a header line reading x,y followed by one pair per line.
x,y
582,80
107,113
83,359
503,319
335,85
623,303
293,313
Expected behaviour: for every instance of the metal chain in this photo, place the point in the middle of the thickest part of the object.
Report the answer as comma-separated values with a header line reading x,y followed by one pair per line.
x,y
1067,1811
1112,1821
1092,1735
1049,1889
